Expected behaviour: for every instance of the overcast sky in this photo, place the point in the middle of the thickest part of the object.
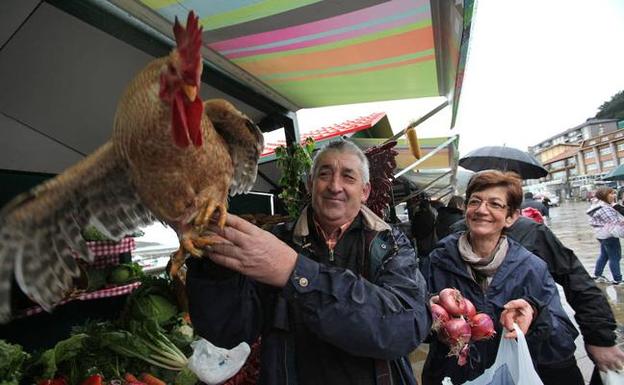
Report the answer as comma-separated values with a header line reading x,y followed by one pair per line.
x,y
535,68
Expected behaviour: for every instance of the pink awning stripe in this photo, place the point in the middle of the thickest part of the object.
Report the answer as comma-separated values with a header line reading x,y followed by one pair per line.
x,y
323,40
375,12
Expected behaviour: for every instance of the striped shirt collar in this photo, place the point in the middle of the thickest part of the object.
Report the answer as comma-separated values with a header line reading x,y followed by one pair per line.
x,y
332,238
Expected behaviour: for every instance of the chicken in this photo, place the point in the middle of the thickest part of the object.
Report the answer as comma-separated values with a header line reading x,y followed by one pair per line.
x,y
171,157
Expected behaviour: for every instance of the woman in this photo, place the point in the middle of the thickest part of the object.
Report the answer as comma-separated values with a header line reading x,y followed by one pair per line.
x,y
504,280
608,224
451,213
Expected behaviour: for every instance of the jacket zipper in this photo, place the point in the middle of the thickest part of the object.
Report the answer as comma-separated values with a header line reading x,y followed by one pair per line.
x,y
331,255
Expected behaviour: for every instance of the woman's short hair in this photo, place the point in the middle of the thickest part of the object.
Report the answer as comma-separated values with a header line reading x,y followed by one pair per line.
x,y
602,193
343,146
456,202
511,181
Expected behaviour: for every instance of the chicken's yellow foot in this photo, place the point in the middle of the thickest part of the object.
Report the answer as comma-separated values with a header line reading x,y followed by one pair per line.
x,y
203,217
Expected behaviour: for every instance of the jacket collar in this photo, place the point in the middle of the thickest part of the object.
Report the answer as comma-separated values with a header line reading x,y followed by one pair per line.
x,y
450,260
369,219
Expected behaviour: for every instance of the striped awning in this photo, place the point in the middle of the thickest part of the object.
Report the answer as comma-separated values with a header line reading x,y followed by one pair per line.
x,y
318,53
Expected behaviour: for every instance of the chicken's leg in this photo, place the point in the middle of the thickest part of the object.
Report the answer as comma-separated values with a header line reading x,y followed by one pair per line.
x,y
191,241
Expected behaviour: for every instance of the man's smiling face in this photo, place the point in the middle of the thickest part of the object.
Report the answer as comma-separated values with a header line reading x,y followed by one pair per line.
x,y
337,189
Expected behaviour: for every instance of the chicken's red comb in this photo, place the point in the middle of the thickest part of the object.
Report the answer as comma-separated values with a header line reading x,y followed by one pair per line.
x,y
189,42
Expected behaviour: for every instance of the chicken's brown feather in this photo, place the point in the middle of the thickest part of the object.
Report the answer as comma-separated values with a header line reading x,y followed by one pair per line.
x,y
40,229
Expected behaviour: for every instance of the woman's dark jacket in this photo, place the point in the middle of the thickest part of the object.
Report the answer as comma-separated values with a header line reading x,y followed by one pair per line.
x,y
521,275
328,324
591,309
446,217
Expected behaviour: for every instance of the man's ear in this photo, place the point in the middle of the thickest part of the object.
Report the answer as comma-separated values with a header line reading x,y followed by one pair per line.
x,y
366,192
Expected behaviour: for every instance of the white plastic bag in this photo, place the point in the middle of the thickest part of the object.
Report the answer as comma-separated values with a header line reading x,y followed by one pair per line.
x,y
513,365
214,365
612,378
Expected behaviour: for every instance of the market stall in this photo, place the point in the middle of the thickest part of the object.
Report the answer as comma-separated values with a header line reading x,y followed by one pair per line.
x,y
63,65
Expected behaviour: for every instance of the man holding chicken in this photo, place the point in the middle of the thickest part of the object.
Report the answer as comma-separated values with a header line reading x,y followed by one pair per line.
x,y
336,297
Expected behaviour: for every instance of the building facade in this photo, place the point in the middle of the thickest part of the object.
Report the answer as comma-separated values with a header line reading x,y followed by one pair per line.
x,y
578,158
587,130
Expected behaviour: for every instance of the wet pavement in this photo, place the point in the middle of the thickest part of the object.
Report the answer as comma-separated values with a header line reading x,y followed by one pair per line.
x,y
570,223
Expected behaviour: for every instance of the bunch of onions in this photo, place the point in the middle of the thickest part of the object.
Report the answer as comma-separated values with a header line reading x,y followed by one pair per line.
x,y
457,323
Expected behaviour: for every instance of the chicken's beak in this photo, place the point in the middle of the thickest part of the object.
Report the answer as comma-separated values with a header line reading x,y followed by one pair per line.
x,y
190,91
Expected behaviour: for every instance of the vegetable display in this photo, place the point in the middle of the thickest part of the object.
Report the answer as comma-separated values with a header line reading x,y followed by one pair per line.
x,y
12,358
149,344
457,323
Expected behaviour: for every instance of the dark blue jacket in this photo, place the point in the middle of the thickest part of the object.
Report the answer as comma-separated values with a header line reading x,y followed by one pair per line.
x,y
521,275
384,320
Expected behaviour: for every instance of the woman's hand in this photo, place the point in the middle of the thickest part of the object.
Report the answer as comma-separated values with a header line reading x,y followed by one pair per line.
x,y
518,311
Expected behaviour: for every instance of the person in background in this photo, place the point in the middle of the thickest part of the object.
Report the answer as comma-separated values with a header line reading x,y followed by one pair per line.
x,y
422,217
451,213
529,201
547,202
504,280
619,204
337,298
608,225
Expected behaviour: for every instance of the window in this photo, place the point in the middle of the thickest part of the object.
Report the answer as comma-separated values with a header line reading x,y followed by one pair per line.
x,y
559,175
591,166
572,161
588,154
620,146
605,150
608,163
573,171
558,164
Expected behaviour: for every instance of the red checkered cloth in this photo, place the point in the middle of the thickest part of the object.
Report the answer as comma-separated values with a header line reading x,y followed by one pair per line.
x,y
102,261
104,293
110,247
106,253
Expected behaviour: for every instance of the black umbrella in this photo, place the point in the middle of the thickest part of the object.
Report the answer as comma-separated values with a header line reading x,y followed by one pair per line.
x,y
615,174
504,159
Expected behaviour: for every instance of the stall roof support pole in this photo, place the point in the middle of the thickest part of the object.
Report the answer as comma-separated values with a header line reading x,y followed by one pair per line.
x,y
418,122
424,189
429,155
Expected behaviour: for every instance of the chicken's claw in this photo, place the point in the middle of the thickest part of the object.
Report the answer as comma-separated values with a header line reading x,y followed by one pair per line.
x,y
203,217
194,245
189,245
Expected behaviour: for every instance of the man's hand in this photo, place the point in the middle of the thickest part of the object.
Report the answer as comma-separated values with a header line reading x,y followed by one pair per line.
x,y
518,311
253,252
606,357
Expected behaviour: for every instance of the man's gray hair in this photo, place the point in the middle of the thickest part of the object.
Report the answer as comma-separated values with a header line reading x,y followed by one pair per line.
x,y
344,146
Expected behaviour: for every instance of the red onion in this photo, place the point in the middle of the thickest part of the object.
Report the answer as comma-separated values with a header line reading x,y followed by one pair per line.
x,y
453,302
456,334
439,315
481,327
470,309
